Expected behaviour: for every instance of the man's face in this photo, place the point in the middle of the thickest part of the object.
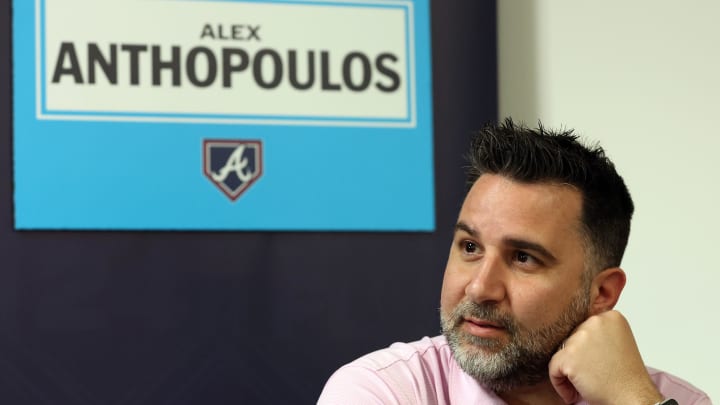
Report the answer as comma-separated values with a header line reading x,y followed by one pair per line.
x,y
513,287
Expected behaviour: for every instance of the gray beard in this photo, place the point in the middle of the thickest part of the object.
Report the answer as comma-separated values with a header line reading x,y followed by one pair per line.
x,y
523,361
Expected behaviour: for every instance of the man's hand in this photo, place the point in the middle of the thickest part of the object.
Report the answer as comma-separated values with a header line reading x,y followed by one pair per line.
x,y
601,364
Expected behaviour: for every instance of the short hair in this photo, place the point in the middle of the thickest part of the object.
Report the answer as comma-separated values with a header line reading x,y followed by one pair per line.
x,y
541,155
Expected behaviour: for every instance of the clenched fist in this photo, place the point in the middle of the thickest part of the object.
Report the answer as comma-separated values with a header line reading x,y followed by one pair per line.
x,y
600,363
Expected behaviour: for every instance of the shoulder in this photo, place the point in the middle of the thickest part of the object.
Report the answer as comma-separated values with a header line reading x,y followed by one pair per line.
x,y
424,353
415,372
674,387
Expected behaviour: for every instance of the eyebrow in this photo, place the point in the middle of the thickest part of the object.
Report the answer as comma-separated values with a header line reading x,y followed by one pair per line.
x,y
532,246
462,226
514,242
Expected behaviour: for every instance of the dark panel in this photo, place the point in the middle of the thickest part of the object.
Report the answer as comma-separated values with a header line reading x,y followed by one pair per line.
x,y
214,318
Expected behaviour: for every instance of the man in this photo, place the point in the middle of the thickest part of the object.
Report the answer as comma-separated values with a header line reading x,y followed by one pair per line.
x,y
529,289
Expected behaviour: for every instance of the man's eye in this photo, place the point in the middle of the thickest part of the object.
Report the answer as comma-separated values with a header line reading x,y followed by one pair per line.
x,y
524,257
469,247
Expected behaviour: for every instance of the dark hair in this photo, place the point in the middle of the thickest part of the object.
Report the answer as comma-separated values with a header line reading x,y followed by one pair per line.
x,y
541,155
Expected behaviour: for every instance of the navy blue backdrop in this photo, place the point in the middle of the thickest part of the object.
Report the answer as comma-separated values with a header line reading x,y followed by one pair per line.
x,y
218,318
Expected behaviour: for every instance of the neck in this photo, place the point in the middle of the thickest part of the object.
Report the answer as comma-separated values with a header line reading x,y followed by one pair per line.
x,y
540,394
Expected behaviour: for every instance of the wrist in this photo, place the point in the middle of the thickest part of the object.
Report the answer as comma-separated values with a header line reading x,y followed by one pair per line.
x,y
641,397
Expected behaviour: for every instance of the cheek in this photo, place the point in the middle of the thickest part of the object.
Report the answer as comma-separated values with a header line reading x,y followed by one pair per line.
x,y
537,305
453,289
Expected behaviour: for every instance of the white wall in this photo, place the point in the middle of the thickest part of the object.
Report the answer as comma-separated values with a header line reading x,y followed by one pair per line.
x,y
642,78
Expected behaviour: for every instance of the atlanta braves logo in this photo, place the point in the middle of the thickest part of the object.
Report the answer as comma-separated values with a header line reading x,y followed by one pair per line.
x,y
232,165
236,163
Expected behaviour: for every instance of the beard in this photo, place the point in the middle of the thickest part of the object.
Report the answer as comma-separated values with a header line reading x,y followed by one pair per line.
x,y
523,360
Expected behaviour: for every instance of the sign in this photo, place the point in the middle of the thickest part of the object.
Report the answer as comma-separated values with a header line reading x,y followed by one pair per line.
x,y
222,115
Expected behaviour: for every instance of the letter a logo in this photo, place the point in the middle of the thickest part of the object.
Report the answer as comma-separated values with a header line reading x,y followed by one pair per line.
x,y
232,165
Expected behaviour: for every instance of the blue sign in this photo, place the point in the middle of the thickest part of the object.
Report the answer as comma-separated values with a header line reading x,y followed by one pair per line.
x,y
223,115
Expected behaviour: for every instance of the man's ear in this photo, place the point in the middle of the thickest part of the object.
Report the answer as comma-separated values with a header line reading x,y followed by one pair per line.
x,y
605,290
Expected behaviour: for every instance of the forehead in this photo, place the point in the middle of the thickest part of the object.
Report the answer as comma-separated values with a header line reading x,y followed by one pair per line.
x,y
548,212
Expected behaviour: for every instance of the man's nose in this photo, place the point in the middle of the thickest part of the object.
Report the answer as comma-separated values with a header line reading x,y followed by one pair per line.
x,y
488,281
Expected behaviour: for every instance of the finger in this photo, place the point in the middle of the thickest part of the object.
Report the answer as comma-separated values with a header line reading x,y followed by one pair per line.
x,y
559,378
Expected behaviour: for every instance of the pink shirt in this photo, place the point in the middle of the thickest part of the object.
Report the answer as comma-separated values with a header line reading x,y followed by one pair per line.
x,y
425,372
